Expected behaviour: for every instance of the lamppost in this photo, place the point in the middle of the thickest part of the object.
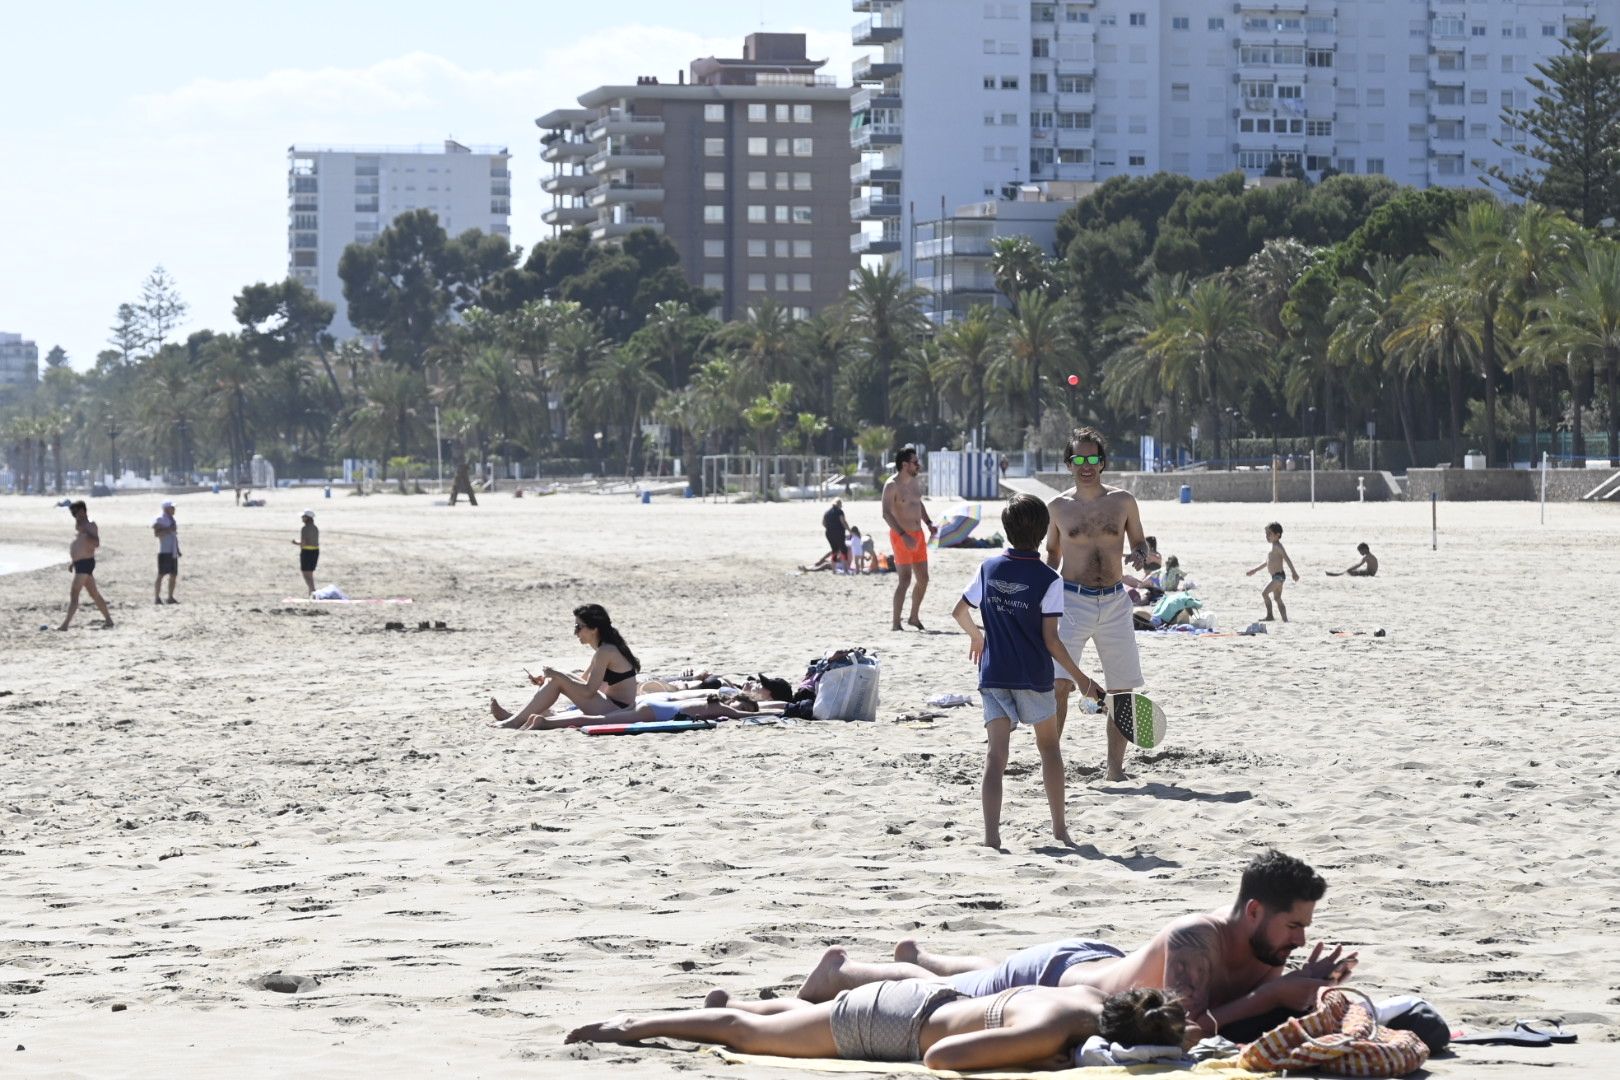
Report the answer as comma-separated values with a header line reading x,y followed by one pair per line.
x,y
1147,433
182,429
112,440
1231,435
1310,431
1160,444
1275,450
1074,384
601,466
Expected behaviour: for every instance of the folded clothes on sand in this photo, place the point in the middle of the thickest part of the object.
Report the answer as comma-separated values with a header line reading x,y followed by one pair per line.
x,y
1227,1070
1099,1051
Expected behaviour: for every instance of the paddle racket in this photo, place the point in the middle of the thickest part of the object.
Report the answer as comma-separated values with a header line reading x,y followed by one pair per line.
x,y
1136,717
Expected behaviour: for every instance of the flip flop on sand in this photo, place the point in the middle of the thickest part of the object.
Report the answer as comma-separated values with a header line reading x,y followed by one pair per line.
x,y
1513,1036
1553,1029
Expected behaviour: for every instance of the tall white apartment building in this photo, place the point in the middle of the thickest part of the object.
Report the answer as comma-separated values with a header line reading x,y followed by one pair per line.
x,y
967,97
337,196
19,365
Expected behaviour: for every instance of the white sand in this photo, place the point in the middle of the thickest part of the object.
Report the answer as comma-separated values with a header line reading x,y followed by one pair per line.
x,y
335,808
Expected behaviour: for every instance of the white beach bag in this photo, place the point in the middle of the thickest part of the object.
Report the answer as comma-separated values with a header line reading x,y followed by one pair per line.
x,y
848,691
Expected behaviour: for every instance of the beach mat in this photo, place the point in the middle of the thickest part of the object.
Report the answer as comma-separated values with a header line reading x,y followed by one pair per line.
x,y
1223,1070
648,727
372,600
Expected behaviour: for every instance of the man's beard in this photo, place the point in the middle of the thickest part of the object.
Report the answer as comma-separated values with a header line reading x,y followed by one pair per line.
x,y
1265,952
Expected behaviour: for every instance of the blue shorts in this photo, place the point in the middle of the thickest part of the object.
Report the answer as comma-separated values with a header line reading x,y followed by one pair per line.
x,y
1042,965
1026,707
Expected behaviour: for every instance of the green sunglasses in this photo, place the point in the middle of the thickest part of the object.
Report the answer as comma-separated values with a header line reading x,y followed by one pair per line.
x,y
1086,459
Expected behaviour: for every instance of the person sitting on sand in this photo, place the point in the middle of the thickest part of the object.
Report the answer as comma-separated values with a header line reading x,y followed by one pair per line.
x,y
918,1020
712,708
607,684
1367,567
1226,967
1172,577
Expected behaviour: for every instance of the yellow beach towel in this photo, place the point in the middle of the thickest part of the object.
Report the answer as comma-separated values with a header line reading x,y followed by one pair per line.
x,y
1208,1070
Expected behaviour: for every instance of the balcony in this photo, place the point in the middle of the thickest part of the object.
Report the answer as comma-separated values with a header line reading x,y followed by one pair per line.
x,y
568,215
880,29
612,230
868,70
874,207
873,172
568,183
879,98
625,157
626,194
869,136
983,282
618,122
566,150
884,243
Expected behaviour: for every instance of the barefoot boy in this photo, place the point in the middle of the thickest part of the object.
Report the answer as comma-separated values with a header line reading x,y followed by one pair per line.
x,y
1020,599
1276,558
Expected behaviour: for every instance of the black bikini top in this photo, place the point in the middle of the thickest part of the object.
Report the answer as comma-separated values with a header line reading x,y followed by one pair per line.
x,y
612,678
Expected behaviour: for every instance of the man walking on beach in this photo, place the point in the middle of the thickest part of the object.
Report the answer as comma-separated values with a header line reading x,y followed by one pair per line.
x,y
1091,522
1228,966
906,515
86,539
168,534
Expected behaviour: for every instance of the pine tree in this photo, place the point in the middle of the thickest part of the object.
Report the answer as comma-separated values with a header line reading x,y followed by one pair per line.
x,y
1571,131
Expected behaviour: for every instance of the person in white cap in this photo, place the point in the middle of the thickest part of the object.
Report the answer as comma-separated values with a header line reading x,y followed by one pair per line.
x,y
309,549
168,536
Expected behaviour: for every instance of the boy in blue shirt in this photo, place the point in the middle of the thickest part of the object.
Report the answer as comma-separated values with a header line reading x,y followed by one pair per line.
x,y
1020,599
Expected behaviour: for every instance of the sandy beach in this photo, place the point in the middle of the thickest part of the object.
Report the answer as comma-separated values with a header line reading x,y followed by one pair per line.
x,y
238,786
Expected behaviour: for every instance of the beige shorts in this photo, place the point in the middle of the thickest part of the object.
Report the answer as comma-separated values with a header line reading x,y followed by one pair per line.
x,y
1105,621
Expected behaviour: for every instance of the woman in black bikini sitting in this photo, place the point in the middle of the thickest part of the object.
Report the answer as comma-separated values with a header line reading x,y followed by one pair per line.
x,y
607,685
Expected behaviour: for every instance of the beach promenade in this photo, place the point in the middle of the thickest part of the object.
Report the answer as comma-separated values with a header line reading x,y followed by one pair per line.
x,y
238,786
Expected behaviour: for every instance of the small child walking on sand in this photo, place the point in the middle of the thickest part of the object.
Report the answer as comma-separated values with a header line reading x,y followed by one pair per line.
x,y
1276,558
1020,599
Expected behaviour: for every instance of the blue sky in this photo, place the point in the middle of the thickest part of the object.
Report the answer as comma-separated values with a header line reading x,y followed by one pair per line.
x,y
138,135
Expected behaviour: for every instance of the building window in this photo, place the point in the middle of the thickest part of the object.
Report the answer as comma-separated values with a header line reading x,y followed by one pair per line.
x,y
1009,82
784,114
1040,48
1076,84
1074,155
714,215
1074,121
802,114
1180,91
1319,128
801,282
1319,58
1217,22
714,181
784,181
1479,97
715,281
1180,22
758,113
1138,18
1009,119
801,181
989,82
782,215
990,118
1375,165
781,282
803,147
714,147
990,45
1042,120
1319,24
1549,30
1038,84
802,215
782,248
1108,20
756,282
802,249
782,146
756,215
1137,161
758,147
756,181
714,114
714,249
756,249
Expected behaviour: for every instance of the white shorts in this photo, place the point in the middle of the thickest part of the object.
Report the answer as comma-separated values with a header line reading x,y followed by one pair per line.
x,y
1105,621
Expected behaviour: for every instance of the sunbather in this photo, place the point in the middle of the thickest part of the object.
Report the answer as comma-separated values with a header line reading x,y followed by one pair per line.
x,y
606,685
918,1020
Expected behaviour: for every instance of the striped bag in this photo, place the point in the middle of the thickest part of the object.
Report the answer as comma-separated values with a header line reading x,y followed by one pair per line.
x,y
1342,1036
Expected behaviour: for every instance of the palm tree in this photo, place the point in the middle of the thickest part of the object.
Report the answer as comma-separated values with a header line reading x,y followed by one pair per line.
x,y
966,351
1134,378
1541,242
761,346
1584,317
389,420
1033,336
577,348
1439,329
1478,246
166,402
919,387
764,416
1363,316
1213,341
821,350
1019,266
619,387
236,385
886,320
875,442
491,387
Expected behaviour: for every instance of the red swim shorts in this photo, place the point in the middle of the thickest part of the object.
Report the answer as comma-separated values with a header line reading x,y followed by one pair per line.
x,y
909,548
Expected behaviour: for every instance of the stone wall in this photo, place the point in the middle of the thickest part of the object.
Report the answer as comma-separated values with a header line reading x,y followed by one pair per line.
x,y
1503,485
1331,486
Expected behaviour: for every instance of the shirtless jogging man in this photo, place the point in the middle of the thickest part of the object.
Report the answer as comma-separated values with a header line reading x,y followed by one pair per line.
x,y
1090,524
903,509
86,539
1227,966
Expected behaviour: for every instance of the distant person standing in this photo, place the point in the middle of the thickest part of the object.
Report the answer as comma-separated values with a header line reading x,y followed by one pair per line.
x,y
82,552
1276,559
309,549
836,526
906,515
168,537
